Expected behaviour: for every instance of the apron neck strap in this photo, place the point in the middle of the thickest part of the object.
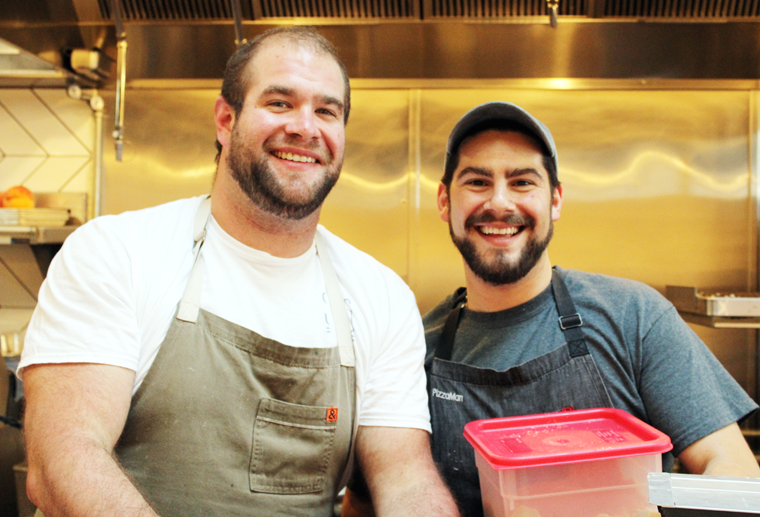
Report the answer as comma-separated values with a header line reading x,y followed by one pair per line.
x,y
337,306
570,321
446,346
190,304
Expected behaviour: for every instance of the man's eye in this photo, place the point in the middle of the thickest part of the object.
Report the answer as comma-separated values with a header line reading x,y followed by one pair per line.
x,y
325,111
278,104
523,183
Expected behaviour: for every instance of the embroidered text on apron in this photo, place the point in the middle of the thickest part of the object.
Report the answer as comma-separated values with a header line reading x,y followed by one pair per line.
x,y
230,423
458,393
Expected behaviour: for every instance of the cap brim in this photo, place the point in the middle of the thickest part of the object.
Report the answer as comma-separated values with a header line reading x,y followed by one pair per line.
x,y
500,112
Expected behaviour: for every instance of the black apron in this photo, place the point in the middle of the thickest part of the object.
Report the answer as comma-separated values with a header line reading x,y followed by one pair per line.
x,y
565,378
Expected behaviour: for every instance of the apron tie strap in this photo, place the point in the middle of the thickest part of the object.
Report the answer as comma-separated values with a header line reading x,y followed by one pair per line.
x,y
446,346
337,306
570,321
189,305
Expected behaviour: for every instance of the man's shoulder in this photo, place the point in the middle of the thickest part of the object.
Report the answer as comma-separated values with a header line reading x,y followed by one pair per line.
x,y
584,279
435,318
363,276
151,219
148,231
345,255
612,293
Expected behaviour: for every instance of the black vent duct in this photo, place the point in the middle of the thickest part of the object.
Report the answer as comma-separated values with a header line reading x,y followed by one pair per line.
x,y
150,10
155,10
501,9
356,9
198,10
683,9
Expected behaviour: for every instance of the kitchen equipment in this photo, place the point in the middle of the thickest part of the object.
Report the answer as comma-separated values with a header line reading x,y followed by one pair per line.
x,y
716,308
571,464
714,303
33,216
689,495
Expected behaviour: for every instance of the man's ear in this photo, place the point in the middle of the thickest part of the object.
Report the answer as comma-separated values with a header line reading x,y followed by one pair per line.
x,y
556,203
224,117
443,202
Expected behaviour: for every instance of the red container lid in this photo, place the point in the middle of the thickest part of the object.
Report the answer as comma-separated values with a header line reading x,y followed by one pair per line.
x,y
566,437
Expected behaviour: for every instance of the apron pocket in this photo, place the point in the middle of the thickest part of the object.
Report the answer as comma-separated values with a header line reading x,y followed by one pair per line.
x,y
292,448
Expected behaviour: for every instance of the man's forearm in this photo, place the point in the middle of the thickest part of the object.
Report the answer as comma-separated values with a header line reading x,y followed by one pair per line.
x,y
722,453
74,416
732,468
401,475
422,495
84,480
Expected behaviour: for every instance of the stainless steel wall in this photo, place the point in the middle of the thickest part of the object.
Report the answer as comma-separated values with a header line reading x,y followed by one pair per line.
x,y
659,184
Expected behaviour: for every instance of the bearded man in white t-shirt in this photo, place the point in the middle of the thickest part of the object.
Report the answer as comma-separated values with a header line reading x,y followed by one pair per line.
x,y
225,355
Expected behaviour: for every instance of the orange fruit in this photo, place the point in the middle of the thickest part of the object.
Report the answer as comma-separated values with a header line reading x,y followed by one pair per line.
x,y
17,197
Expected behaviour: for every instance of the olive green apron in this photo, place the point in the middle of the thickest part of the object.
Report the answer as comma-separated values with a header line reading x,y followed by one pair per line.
x,y
230,423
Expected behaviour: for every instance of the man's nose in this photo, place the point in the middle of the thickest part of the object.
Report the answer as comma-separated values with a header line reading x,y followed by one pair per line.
x,y
501,200
303,123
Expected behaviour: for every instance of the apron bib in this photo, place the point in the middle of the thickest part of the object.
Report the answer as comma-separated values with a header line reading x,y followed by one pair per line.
x,y
230,423
562,379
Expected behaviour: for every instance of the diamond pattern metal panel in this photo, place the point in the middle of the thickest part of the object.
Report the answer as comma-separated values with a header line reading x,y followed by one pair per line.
x,y
46,141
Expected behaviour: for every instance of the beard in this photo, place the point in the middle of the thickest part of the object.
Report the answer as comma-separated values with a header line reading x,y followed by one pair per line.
x,y
259,181
500,270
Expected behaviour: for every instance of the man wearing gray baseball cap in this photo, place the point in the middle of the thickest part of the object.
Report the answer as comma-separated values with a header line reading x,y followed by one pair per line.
x,y
524,337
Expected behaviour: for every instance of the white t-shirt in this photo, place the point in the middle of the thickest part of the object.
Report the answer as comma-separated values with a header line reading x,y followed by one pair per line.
x,y
112,290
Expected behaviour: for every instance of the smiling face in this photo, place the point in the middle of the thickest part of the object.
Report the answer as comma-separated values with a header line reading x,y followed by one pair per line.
x,y
500,206
285,148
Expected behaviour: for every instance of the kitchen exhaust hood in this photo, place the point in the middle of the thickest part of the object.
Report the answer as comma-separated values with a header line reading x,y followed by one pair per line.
x,y
378,10
19,68
410,39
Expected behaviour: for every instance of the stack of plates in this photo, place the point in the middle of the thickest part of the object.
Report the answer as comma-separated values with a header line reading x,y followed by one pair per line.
x,y
33,216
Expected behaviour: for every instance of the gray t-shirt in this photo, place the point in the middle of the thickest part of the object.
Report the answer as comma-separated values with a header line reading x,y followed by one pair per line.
x,y
652,363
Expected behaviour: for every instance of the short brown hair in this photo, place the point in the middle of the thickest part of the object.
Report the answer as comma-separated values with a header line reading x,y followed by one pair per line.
x,y
236,84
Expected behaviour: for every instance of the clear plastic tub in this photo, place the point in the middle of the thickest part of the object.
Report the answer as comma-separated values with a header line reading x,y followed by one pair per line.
x,y
585,463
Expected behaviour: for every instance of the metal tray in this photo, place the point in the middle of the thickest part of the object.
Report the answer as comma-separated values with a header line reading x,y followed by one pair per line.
x,y
714,303
47,217
690,495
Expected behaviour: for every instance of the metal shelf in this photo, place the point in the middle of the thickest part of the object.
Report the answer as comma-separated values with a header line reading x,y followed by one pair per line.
x,y
721,322
716,309
34,235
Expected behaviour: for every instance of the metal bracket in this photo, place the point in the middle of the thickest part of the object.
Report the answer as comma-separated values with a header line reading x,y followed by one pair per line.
x,y
95,101
121,78
552,7
570,322
238,16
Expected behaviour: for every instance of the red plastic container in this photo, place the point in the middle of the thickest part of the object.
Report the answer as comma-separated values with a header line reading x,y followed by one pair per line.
x,y
584,463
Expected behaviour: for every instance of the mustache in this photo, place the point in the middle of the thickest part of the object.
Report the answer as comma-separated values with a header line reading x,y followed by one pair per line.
x,y
273,142
487,217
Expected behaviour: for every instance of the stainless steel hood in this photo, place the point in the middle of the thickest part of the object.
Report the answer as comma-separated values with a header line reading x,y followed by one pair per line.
x,y
21,68
352,10
414,39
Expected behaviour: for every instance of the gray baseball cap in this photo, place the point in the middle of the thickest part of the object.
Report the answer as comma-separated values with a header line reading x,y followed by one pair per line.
x,y
496,112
